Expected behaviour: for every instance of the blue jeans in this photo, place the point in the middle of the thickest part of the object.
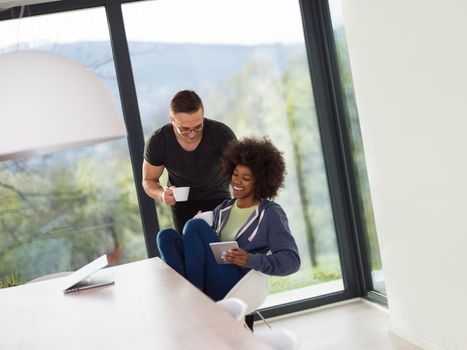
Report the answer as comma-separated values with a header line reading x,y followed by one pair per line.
x,y
191,256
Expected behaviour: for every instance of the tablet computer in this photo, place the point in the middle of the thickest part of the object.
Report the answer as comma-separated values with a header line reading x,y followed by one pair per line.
x,y
219,247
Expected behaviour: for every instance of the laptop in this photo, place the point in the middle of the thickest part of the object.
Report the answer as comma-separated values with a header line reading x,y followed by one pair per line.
x,y
81,279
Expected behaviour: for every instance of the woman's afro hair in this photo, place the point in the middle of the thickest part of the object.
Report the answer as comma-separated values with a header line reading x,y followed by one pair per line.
x,y
263,158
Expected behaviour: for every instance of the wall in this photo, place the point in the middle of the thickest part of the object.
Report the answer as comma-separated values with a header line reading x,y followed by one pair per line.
x,y
409,63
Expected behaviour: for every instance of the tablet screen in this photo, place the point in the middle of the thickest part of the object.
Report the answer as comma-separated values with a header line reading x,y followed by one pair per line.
x,y
219,247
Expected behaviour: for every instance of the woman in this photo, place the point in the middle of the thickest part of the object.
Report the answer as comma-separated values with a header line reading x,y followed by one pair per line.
x,y
258,224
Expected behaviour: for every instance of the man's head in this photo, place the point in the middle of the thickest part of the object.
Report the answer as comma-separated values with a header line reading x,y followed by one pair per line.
x,y
187,115
185,101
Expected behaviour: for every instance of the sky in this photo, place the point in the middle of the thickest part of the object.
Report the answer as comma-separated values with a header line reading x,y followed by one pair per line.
x,y
202,21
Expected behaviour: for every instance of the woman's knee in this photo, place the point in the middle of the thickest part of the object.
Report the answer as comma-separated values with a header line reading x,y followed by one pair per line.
x,y
166,236
194,224
197,230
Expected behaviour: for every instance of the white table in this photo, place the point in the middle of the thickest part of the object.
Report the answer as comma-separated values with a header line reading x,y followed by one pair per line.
x,y
149,307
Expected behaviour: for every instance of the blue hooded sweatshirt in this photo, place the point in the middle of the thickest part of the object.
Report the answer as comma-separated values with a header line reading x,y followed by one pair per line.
x,y
265,236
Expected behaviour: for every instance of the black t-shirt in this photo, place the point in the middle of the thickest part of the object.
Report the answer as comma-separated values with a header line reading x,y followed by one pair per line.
x,y
201,169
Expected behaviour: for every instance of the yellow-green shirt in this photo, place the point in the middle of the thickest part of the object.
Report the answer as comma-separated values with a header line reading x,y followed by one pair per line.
x,y
238,216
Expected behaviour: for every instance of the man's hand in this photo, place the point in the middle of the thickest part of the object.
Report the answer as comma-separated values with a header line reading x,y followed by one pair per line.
x,y
237,257
168,196
152,187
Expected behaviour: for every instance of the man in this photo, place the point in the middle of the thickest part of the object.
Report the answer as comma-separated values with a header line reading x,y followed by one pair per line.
x,y
190,148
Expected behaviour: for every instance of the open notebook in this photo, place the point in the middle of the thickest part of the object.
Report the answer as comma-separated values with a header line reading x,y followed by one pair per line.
x,y
82,279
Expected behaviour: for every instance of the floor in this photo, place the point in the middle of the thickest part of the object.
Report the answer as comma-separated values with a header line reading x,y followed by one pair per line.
x,y
352,325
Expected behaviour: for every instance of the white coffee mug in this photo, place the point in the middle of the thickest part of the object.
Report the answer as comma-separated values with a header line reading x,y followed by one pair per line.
x,y
206,216
181,193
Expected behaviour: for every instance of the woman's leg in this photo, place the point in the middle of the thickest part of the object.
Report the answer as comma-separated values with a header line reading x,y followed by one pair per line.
x,y
170,246
201,267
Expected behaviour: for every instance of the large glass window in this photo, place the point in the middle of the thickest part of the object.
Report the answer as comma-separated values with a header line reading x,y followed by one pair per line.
x,y
61,210
247,60
358,154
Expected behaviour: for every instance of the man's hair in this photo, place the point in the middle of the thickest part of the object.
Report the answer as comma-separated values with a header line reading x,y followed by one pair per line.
x,y
263,158
185,101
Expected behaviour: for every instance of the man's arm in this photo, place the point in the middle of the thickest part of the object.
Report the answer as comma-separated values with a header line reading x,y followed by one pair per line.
x,y
152,186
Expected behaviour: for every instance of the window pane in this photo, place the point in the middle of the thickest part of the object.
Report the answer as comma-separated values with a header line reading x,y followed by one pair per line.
x,y
358,154
255,78
61,210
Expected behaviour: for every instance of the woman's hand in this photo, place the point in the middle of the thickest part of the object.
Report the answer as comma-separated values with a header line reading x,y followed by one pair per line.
x,y
237,257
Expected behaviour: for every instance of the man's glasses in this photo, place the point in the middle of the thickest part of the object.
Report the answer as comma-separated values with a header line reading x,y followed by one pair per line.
x,y
187,131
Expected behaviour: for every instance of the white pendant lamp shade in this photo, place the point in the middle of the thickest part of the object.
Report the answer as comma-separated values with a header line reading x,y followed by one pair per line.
x,y
50,103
